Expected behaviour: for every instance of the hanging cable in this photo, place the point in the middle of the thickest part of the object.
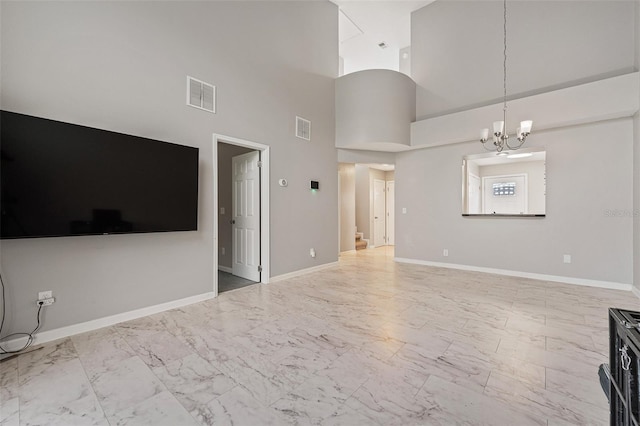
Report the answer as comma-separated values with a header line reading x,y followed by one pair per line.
x,y
29,335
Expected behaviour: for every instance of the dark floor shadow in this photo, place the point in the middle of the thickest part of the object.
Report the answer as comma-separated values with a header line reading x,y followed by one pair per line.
x,y
227,281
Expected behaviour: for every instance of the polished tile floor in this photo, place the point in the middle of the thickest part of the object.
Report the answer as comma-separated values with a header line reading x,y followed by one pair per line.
x,y
367,342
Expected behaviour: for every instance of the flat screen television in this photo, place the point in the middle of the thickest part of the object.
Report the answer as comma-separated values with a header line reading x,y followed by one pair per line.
x,y
60,179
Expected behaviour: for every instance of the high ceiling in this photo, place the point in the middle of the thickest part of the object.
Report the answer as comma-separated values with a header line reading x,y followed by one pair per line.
x,y
366,23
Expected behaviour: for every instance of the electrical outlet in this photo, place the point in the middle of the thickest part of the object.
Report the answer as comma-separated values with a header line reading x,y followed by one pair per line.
x,y
223,251
445,252
567,258
312,252
221,210
45,302
45,295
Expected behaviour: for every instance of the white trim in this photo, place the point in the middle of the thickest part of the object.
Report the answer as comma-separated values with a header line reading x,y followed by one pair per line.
x,y
303,272
532,275
635,290
83,327
348,251
265,254
225,269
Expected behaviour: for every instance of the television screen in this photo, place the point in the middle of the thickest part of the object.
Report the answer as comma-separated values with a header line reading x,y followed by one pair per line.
x,y
61,179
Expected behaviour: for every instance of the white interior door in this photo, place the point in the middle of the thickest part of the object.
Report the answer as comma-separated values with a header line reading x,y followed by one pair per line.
x,y
505,194
391,218
379,212
246,216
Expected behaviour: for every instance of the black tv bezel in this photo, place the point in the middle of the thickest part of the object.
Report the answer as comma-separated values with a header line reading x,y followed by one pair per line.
x,y
122,135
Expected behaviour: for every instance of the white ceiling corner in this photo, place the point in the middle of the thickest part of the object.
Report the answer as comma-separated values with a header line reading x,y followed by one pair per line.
x,y
365,23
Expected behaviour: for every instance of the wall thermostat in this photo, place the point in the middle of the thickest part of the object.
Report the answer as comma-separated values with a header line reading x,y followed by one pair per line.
x,y
315,184
283,182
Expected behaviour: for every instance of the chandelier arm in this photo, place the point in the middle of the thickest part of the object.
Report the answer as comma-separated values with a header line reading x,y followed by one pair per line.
x,y
484,145
516,147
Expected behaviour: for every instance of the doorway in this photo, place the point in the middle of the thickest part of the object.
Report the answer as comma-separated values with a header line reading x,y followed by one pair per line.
x,y
366,202
241,206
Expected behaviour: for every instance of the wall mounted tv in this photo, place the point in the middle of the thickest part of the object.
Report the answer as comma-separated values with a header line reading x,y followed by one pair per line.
x,y
60,179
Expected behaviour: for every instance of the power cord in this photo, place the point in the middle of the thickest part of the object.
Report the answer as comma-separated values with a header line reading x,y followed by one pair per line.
x,y
29,335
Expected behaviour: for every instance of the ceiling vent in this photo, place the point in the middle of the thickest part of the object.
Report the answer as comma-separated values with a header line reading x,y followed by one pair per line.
x,y
201,95
303,128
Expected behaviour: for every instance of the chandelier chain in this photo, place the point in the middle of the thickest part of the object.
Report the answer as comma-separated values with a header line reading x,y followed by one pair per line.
x,y
500,133
504,74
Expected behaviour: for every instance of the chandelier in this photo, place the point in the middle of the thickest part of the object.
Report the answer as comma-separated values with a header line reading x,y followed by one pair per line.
x,y
500,136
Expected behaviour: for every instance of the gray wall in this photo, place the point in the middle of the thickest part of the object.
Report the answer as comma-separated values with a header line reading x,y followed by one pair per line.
x,y
457,49
347,203
552,45
225,196
636,169
122,66
359,156
636,201
374,108
586,186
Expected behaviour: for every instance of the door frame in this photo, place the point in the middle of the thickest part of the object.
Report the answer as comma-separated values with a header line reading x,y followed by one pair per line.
x,y
373,213
388,213
265,255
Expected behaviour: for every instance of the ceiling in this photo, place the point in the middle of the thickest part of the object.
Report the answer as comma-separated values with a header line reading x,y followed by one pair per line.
x,y
364,24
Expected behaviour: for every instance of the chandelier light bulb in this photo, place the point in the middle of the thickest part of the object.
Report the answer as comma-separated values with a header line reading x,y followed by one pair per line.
x,y
525,126
484,134
498,127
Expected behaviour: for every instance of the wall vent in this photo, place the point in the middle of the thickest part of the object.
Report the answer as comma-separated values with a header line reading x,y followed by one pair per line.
x,y
201,95
303,128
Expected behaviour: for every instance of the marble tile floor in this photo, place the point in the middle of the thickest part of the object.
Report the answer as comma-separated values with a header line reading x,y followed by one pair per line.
x,y
368,342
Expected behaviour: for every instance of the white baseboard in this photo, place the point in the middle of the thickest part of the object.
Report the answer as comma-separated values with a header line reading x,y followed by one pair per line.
x,y
225,269
348,251
535,276
302,272
62,332
635,290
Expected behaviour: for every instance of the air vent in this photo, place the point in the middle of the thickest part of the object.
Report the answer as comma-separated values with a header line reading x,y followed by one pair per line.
x,y
201,95
303,128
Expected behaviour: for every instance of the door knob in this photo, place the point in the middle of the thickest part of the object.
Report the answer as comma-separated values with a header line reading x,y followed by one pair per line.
x,y
233,221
